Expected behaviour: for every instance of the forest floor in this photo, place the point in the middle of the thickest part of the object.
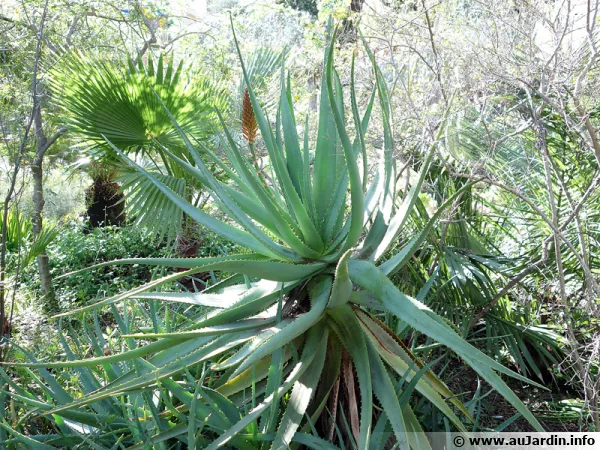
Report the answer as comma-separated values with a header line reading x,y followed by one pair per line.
x,y
554,407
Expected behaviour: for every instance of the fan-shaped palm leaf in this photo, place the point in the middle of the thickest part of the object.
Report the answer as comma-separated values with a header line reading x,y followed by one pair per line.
x,y
101,102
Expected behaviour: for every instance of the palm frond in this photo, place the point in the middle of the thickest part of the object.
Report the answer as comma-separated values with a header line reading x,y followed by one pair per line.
x,y
104,101
147,204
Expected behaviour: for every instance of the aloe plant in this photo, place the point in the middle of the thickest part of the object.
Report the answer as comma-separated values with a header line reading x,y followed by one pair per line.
x,y
319,238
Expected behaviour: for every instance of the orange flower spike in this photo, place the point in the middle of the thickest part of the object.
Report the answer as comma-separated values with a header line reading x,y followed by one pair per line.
x,y
249,125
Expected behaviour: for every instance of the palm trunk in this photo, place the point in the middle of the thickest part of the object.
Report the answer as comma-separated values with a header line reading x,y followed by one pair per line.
x,y
188,245
104,200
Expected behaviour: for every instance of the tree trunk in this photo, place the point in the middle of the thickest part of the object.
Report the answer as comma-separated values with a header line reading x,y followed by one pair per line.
x,y
50,303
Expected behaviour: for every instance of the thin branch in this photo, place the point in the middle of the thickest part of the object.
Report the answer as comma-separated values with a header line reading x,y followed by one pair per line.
x,y
93,13
53,139
72,29
513,282
435,52
546,219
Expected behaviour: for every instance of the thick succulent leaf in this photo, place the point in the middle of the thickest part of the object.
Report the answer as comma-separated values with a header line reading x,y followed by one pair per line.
x,y
248,324
76,416
298,209
319,293
250,348
416,433
351,335
356,190
358,124
284,222
424,320
315,346
49,385
399,260
298,402
246,201
314,442
372,196
384,390
230,232
296,171
381,435
389,193
258,372
132,293
325,179
211,409
328,380
31,443
291,140
119,357
335,249
269,421
164,436
401,216
337,208
307,184
364,298
226,203
267,195
193,428
374,237
223,407
253,300
342,286
250,264
403,361
179,363
222,300
88,382
239,207
431,393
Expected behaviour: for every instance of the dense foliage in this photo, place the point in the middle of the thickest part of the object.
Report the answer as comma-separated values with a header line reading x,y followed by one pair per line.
x,y
260,235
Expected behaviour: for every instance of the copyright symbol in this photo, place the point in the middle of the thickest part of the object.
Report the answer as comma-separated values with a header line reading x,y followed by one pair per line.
x,y
459,441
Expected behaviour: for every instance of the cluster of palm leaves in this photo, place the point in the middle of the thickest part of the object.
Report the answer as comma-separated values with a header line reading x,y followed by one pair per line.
x,y
462,266
102,102
515,161
261,358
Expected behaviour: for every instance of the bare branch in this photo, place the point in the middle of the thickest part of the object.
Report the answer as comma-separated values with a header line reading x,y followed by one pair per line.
x,y
53,139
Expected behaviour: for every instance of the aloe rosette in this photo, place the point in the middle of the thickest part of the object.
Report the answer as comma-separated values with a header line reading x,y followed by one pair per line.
x,y
320,238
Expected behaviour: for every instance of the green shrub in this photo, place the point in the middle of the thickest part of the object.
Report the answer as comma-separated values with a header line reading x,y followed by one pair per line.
x,y
18,229
75,249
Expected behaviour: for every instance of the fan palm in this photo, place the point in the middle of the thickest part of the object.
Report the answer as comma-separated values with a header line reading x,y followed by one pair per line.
x,y
101,102
501,140
463,259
